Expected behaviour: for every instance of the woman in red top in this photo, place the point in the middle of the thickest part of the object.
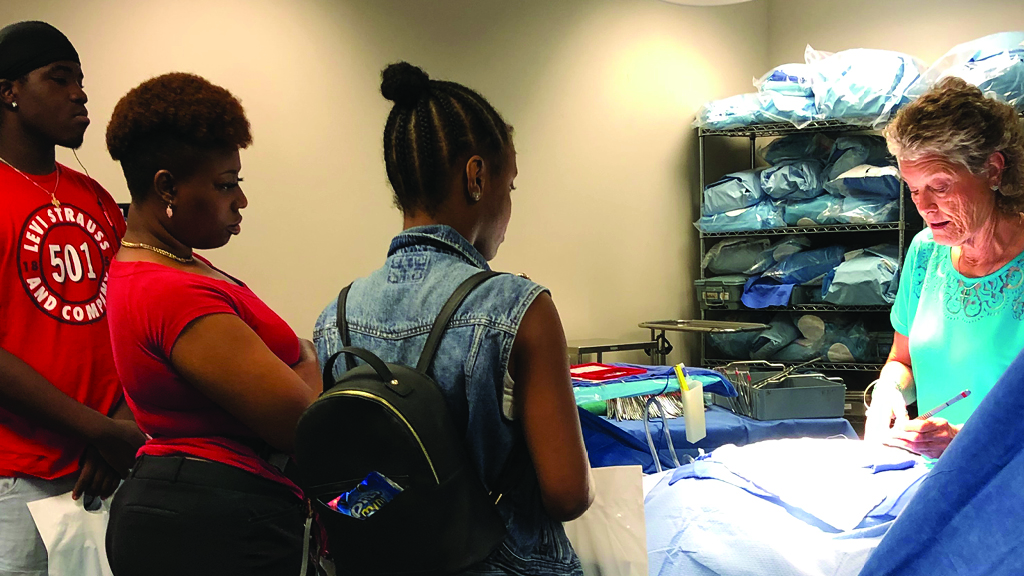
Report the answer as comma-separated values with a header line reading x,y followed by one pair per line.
x,y
212,375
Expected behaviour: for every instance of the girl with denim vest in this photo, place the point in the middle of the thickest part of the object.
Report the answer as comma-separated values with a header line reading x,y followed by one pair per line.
x,y
501,364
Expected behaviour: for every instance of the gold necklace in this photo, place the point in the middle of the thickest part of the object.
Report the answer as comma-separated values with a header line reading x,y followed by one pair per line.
x,y
159,251
53,195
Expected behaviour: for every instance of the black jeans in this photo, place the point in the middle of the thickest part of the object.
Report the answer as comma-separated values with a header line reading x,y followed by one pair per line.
x,y
178,516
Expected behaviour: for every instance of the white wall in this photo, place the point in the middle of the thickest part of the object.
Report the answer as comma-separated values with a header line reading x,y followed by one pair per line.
x,y
601,93
922,28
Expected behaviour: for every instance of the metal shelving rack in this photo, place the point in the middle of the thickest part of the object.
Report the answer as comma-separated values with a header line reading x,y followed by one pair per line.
x,y
822,366
826,308
808,230
898,228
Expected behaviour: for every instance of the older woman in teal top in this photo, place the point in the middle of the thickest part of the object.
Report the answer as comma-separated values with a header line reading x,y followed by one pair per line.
x,y
959,313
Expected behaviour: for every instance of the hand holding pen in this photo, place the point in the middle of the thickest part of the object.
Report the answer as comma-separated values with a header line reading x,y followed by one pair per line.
x,y
926,434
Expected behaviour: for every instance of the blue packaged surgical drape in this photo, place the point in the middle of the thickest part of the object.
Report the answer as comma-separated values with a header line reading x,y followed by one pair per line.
x,y
794,79
867,180
732,112
732,192
803,267
864,85
851,151
805,146
867,279
994,63
819,210
792,180
762,216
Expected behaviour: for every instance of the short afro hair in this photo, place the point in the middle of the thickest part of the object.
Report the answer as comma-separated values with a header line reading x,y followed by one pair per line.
x,y
167,123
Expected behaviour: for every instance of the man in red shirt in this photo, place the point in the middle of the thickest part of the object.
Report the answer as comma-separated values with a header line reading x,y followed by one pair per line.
x,y
63,424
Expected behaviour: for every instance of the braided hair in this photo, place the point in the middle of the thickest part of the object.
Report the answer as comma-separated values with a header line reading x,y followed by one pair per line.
x,y
432,130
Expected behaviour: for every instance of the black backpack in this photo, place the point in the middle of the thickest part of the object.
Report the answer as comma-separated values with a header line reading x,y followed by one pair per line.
x,y
392,419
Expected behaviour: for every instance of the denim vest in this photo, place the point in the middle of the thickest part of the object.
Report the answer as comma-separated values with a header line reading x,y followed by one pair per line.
x,y
390,314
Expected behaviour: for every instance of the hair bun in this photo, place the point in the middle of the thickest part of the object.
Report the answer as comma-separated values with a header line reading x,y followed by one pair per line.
x,y
404,84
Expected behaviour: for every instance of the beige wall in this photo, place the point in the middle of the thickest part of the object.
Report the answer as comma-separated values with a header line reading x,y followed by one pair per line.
x,y
922,28
601,93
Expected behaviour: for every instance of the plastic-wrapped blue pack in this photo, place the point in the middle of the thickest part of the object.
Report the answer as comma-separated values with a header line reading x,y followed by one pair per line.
x,y
749,256
867,277
734,345
761,216
803,267
796,79
811,212
862,85
1002,77
799,350
865,210
814,146
848,344
834,338
792,179
851,151
738,256
799,338
732,192
994,63
778,336
797,110
787,247
868,180
732,112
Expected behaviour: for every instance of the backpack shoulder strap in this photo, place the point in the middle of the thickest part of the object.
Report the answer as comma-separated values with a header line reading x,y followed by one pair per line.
x,y
453,303
342,323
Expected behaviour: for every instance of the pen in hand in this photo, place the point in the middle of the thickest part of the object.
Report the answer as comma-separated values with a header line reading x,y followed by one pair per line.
x,y
944,405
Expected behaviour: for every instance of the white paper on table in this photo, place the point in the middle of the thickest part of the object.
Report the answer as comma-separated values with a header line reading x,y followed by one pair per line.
x,y
611,537
75,538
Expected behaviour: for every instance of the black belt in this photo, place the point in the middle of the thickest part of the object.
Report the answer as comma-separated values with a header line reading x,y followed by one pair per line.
x,y
206,473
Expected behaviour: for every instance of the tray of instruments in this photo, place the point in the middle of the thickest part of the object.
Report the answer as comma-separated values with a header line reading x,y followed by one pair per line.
x,y
770,391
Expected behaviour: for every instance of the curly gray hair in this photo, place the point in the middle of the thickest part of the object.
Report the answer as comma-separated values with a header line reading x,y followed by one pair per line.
x,y
955,121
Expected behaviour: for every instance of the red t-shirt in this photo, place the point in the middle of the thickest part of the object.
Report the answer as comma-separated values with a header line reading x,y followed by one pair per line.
x,y
149,306
53,286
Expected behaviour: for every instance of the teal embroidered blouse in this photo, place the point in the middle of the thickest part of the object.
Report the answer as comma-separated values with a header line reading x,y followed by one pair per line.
x,y
963,332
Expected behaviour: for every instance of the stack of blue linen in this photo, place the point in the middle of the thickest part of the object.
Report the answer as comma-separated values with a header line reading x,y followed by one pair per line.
x,y
749,256
796,178
863,86
737,203
995,64
861,177
816,181
867,277
787,94
866,86
794,337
